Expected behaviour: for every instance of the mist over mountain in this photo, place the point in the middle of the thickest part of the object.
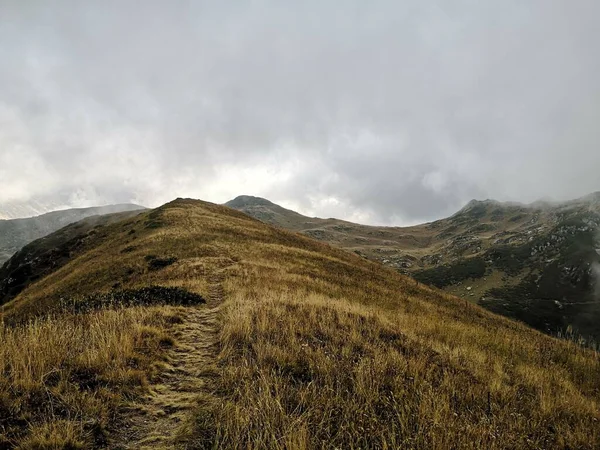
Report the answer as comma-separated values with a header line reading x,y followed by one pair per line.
x,y
18,210
77,197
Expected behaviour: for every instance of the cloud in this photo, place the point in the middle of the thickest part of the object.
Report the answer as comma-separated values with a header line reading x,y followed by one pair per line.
x,y
385,111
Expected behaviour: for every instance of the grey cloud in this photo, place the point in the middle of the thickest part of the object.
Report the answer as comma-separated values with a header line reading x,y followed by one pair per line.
x,y
399,111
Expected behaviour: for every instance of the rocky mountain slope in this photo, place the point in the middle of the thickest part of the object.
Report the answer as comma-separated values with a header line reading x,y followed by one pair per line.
x,y
16,233
534,262
196,326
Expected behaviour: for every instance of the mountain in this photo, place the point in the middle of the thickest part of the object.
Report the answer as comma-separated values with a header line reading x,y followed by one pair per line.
x,y
196,326
535,262
15,233
268,212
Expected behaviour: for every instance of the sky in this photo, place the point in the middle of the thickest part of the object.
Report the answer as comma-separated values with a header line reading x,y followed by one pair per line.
x,y
381,112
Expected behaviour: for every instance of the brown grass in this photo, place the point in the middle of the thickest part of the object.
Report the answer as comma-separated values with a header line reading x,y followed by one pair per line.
x,y
310,371
322,349
62,378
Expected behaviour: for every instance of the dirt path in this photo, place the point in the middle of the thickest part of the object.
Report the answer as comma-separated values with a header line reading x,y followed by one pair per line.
x,y
216,293
155,421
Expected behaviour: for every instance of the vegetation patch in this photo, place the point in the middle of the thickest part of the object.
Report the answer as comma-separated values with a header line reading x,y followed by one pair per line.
x,y
497,214
552,300
511,259
442,276
558,293
156,263
146,296
483,228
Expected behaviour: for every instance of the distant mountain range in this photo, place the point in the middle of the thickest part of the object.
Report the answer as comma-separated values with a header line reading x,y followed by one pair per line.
x,y
16,233
535,263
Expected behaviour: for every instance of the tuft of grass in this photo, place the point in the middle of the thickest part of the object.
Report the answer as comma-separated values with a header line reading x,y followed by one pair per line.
x,y
59,435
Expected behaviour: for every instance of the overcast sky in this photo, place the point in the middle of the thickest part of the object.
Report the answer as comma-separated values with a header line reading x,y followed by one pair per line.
x,y
390,112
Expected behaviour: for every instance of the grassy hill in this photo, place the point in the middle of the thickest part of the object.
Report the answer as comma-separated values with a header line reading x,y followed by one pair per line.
x,y
196,326
16,233
533,262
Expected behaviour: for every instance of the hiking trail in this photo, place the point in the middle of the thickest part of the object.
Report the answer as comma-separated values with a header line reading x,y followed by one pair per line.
x,y
154,421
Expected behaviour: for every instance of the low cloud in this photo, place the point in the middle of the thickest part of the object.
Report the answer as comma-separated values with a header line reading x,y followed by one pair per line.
x,y
384,111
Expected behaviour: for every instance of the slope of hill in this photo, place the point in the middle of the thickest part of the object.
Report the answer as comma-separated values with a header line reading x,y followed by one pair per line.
x,y
15,233
530,262
299,345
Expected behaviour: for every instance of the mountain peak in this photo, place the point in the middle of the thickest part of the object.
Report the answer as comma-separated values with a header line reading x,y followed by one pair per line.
x,y
478,205
248,200
487,201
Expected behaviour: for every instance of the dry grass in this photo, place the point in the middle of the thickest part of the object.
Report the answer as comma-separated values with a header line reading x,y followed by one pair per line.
x,y
322,349
62,378
315,372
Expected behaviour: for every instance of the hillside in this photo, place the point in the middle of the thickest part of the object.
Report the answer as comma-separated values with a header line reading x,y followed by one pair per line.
x,y
46,254
530,262
196,326
16,233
